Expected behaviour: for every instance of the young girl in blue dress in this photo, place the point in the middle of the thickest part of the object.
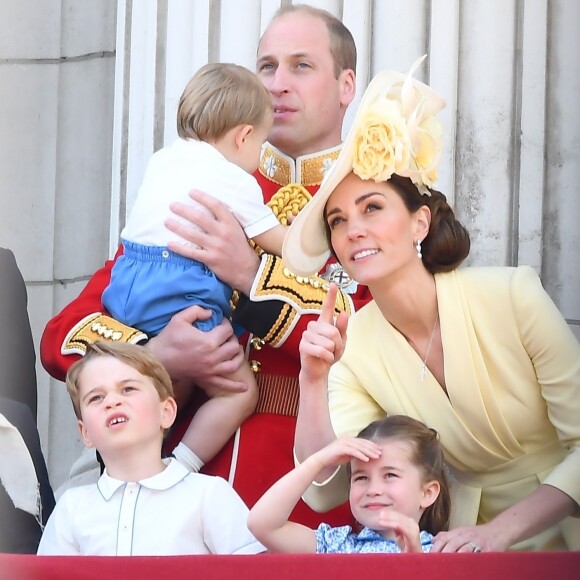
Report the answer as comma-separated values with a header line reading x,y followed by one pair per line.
x,y
399,493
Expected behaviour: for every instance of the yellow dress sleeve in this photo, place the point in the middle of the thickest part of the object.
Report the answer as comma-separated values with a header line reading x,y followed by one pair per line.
x,y
555,354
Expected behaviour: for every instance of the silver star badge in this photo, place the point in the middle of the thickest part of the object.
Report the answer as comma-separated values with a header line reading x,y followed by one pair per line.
x,y
336,274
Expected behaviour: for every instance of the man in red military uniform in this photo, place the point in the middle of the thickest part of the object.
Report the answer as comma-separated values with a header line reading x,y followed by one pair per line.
x,y
306,59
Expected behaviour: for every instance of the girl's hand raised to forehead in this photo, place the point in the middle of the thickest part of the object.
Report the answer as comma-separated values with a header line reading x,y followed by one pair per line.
x,y
345,449
323,341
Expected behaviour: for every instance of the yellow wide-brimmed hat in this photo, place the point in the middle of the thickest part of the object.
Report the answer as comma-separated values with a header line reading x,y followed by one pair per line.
x,y
395,131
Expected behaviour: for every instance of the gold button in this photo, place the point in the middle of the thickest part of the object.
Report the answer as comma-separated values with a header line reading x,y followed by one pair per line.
x,y
256,366
257,343
288,273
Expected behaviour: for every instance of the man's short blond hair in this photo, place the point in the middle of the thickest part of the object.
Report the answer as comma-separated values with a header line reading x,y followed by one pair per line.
x,y
219,97
133,355
342,45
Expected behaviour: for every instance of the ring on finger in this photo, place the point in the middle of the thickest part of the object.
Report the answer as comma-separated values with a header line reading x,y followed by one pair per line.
x,y
474,547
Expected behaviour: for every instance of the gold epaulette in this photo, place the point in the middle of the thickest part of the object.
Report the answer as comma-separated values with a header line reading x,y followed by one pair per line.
x,y
98,326
300,294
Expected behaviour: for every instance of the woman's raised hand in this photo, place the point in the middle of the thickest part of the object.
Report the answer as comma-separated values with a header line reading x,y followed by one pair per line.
x,y
323,341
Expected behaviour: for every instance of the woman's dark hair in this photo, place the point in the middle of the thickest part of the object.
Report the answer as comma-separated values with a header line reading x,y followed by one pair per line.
x,y
426,454
447,243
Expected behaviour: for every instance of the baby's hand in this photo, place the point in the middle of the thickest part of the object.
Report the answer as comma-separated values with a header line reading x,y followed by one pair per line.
x,y
407,533
344,449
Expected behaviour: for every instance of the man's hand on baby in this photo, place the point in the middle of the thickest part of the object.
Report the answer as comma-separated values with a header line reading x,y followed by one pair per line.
x,y
203,358
214,237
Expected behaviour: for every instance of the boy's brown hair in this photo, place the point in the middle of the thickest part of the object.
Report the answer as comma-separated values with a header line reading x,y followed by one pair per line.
x,y
131,354
219,97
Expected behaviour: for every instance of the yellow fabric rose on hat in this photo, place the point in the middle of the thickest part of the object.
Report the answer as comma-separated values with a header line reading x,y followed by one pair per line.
x,y
382,145
426,139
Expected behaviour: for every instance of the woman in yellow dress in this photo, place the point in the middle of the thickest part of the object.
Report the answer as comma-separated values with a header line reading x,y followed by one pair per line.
x,y
482,355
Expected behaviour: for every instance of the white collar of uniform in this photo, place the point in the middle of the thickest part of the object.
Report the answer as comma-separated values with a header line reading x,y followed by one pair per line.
x,y
170,476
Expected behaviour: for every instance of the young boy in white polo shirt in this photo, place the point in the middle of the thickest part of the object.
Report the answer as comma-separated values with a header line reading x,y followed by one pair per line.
x,y
142,504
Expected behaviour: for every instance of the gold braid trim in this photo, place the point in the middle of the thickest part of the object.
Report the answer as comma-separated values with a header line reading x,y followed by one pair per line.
x,y
98,326
301,295
288,199
282,325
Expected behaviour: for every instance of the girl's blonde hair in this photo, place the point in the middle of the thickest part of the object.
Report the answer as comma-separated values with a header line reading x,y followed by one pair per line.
x,y
219,97
133,355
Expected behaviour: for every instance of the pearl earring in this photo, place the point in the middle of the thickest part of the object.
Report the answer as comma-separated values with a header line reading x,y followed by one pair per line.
x,y
418,248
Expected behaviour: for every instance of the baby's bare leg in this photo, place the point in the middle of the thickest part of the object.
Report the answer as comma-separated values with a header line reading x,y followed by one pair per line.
x,y
217,419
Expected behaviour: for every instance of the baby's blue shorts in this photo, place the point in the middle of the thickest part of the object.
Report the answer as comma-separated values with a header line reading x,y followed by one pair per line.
x,y
149,284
